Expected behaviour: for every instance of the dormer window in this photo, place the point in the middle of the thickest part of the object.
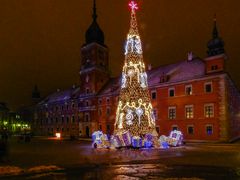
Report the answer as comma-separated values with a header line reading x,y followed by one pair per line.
x,y
163,78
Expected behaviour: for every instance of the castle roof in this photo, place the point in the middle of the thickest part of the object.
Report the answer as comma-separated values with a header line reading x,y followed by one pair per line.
x,y
181,71
173,73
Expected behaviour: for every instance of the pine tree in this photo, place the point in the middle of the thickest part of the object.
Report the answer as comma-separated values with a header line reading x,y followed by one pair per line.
x,y
134,112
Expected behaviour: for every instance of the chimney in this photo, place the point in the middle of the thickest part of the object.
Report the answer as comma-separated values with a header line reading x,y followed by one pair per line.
x,y
190,56
150,67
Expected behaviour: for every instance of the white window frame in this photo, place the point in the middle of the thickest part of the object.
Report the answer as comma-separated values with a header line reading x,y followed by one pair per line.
x,y
186,115
170,90
210,125
170,108
189,127
213,113
205,85
188,86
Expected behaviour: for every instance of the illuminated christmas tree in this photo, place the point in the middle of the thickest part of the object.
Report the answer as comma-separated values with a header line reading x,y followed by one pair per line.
x,y
134,112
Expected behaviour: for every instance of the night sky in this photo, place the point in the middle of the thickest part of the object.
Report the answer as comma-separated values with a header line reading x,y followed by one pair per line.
x,y
40,40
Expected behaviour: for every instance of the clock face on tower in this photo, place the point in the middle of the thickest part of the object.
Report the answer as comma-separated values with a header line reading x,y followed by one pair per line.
x,y
87,79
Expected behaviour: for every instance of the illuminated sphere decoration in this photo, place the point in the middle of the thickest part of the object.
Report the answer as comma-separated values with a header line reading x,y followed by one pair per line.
x,y
134,111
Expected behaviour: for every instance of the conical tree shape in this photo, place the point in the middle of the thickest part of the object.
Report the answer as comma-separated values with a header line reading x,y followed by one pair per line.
x,y
134,111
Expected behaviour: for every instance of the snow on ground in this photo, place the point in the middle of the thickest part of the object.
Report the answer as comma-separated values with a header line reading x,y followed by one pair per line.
x,y
10,170
13,170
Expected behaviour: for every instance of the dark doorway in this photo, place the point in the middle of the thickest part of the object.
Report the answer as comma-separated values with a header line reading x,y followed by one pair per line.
x,y
87,131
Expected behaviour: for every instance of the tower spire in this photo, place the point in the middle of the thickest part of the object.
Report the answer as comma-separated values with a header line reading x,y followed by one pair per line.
x,y
216,44
94,16
215,30
94,32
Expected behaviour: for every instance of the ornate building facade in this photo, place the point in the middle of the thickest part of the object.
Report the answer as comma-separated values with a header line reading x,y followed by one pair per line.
x,y
196,96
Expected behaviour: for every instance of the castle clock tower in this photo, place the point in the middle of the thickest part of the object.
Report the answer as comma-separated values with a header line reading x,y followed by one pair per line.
x,y
94,71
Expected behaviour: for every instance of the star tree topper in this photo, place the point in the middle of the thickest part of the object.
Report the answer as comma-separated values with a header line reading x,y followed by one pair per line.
x,y
133,5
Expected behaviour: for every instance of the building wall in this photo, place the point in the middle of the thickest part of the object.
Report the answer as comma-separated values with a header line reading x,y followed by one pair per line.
x,y
198,100
233,107
101,111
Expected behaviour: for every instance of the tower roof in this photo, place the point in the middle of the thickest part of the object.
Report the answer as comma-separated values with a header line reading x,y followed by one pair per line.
x,y
216,44
94,32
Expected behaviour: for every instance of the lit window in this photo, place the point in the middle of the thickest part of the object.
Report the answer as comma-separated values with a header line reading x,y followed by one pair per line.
x,y
208,87
209,129
209,110
172,112
189,111
188,90
154,95
171,92
190,130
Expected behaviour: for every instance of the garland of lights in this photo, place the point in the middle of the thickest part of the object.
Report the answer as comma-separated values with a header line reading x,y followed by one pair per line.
x,y
134,112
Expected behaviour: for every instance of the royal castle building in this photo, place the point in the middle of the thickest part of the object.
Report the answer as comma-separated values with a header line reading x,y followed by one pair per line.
x,y
196,96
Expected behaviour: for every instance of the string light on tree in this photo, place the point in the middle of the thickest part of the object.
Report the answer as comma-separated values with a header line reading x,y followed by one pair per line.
x,y
134,112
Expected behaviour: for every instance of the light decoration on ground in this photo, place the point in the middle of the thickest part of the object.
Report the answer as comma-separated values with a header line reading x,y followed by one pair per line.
x,y
58,135
134,112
